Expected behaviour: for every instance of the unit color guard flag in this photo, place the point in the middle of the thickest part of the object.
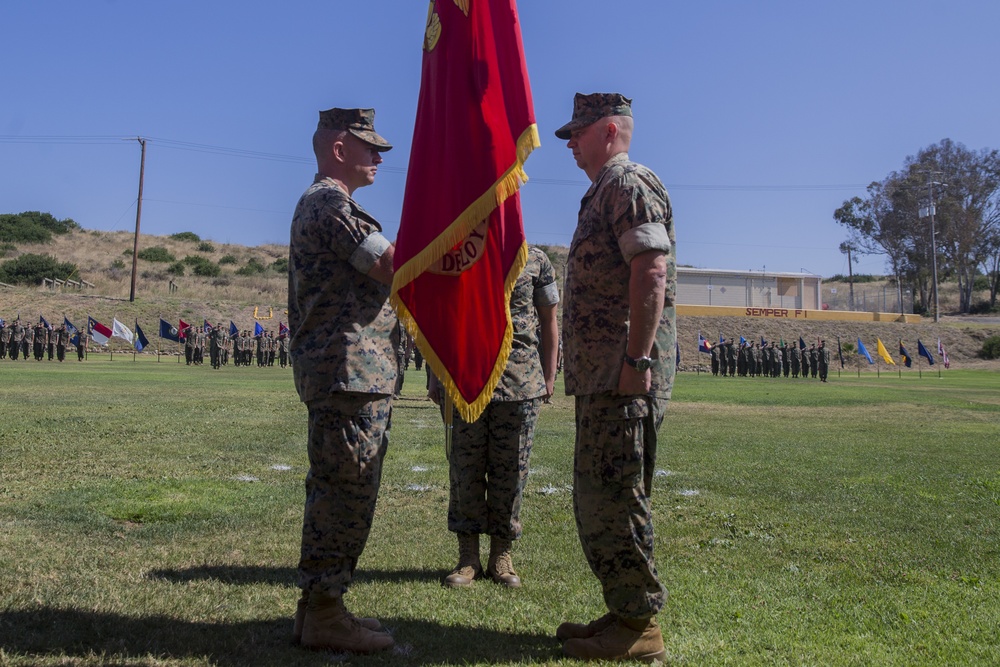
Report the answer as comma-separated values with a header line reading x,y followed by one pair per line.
x,y
461,243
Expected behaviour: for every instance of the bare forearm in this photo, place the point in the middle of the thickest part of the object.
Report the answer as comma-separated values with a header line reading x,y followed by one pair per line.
x,y
549,344
647,288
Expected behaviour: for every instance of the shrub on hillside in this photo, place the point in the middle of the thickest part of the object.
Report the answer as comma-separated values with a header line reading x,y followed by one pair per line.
x,y
32,227
156,253
201,266
991,348
251,268
7,249
205,246
981,284
228,259
858,278
984,308
280,265
186,236
31,269
176,269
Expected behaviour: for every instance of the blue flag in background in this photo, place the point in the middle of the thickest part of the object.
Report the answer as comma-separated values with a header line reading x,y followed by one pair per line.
x,y
925,353
257,329
743,341
905,355
762,341
721,339
802,343
169,331
233,329
42,320
73,331
863,352
140,338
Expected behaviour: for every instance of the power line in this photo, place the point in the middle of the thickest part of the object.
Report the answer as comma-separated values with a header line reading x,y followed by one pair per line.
x,y
298,159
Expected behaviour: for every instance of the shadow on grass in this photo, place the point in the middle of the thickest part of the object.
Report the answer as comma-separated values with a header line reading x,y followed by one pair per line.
x,y
242,575
48,633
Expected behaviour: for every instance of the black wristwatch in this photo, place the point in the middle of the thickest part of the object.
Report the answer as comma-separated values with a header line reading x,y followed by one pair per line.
x,y
641,364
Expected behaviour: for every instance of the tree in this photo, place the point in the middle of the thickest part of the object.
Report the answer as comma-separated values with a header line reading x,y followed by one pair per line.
x,y
882,224
31,269
991,267
967,218
968,210
32,227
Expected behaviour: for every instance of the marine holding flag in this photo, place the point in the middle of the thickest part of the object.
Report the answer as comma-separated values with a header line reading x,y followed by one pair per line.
x,y
619,333
343,340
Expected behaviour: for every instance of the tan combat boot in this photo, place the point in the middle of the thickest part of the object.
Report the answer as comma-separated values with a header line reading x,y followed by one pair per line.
x,y
469,566
569,630
328,625
499,567
625,639
300,615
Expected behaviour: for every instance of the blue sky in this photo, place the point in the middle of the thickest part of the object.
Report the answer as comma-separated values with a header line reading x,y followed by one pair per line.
x,y
760,117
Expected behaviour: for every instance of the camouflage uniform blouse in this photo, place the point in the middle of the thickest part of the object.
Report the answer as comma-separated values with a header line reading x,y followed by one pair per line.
x,y
625,212
342,329
523,378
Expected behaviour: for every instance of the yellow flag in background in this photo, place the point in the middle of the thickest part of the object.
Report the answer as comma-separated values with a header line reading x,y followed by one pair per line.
x,y
884,353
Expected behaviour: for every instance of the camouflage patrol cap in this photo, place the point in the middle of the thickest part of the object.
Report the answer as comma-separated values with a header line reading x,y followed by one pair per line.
x,y
359,122
588,109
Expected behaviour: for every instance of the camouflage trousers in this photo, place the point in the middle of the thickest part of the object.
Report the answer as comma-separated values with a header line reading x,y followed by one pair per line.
x,y
612,483
348,436
489,467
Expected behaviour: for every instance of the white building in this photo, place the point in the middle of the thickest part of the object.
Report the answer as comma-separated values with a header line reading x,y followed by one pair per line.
x,y
748,289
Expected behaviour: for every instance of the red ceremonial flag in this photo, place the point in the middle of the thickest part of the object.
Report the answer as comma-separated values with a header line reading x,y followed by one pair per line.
x,y
182,329
461,243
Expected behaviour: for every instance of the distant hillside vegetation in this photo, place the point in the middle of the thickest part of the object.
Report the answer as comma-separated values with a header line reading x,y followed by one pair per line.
x,y
186,276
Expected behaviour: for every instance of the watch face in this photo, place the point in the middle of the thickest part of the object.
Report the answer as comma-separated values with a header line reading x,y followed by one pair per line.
x,y
642,365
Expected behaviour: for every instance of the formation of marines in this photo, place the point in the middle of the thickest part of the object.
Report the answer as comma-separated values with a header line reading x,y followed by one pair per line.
x,y
19,340
243,347
751,359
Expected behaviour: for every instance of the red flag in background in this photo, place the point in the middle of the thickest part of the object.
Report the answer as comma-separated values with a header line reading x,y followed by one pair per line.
x,y
182,329
461,243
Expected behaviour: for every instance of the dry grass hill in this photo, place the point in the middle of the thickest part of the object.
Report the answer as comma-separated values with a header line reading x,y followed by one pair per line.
x,y
105,259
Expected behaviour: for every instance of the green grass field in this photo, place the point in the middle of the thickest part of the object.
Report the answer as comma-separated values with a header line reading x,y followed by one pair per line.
x,y
150,515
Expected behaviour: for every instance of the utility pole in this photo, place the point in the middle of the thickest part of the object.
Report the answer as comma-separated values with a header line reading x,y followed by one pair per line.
x,y
930,210
138,216
847,247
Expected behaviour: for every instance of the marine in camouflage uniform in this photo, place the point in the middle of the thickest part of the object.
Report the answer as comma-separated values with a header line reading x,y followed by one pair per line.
x,y
4,339
62,340
216,344
488,466
41,339
343,339
189,343
823,360
619,336
81,345
26,342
